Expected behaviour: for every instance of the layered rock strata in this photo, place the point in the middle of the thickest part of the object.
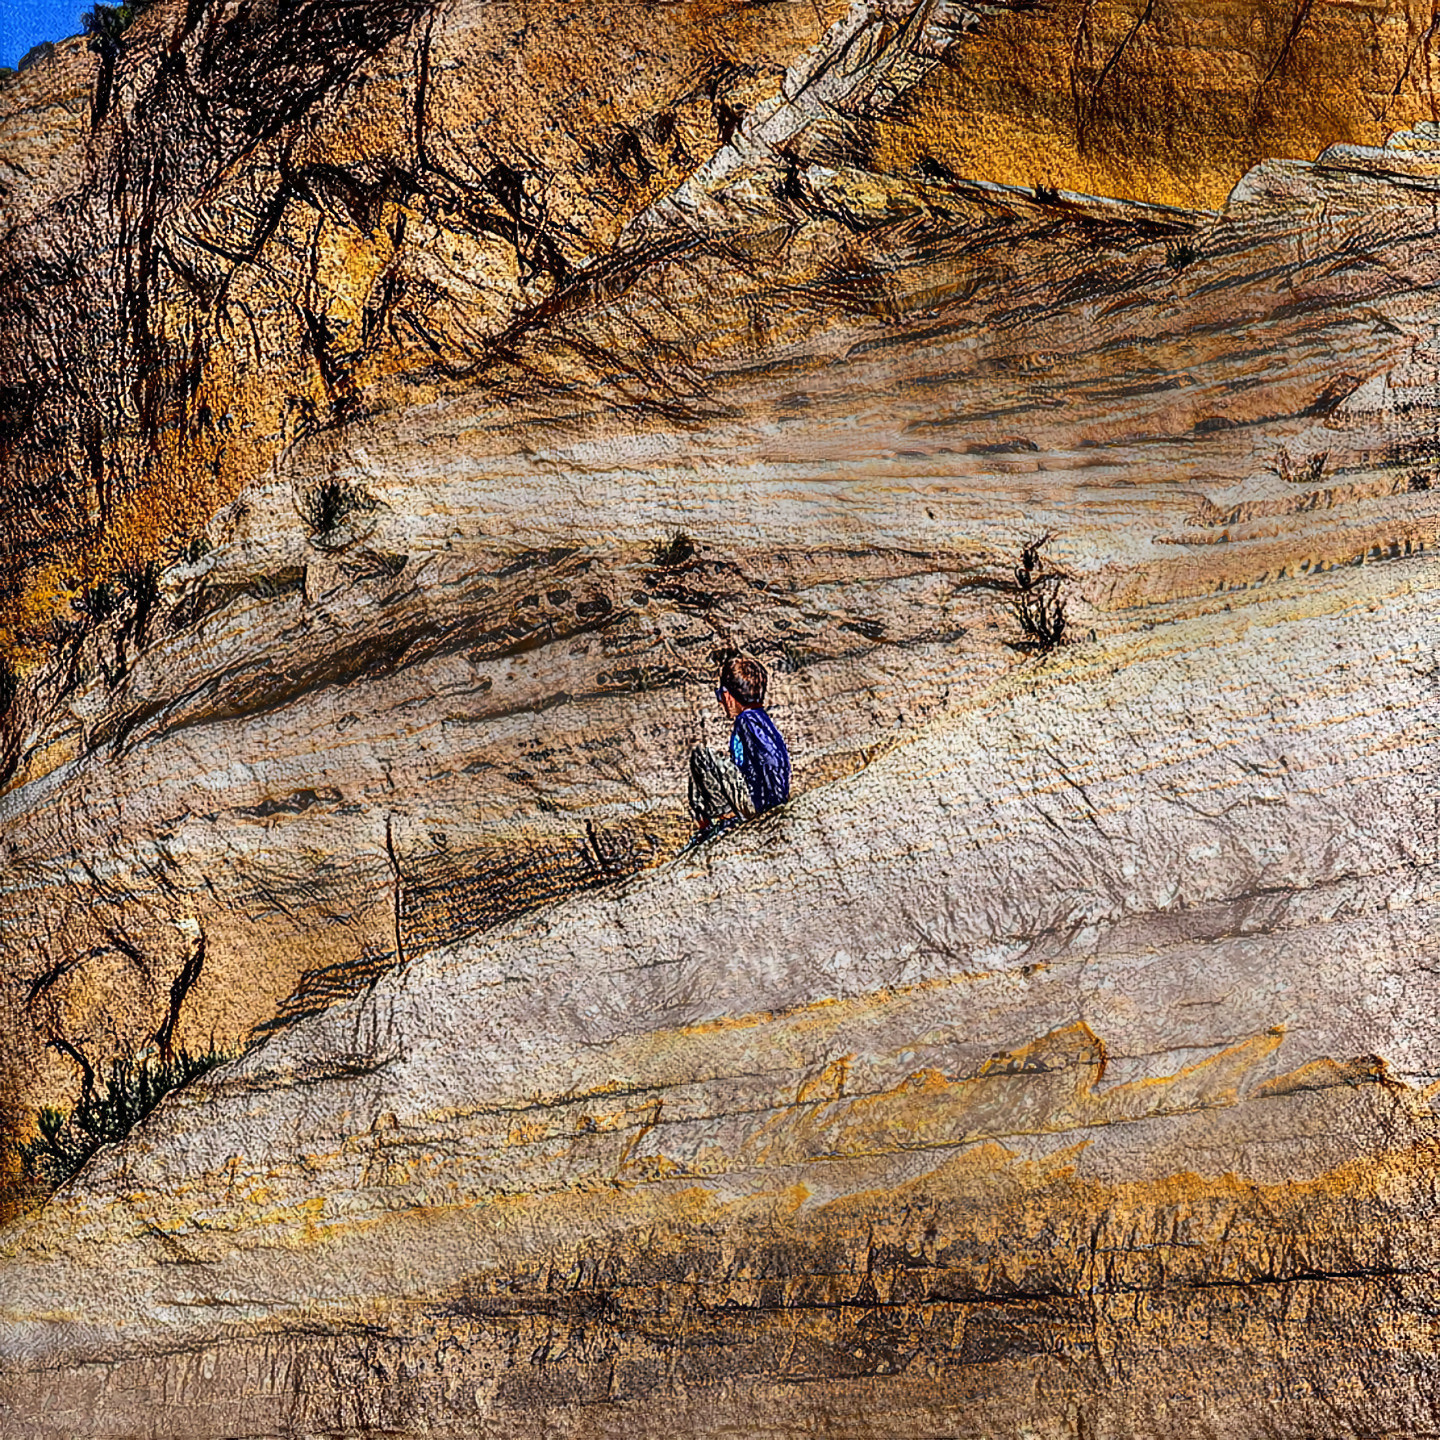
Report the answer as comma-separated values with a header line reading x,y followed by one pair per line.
x,y
473,693
1060,1060
1090,1023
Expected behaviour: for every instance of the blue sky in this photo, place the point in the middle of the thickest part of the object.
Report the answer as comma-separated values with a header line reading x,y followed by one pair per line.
x,y
24,23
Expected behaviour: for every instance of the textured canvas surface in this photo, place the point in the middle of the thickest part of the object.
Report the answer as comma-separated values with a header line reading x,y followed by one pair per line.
x,y
404,411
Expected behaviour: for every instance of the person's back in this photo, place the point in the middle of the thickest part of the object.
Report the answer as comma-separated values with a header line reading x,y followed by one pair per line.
x,y
753,775
758,750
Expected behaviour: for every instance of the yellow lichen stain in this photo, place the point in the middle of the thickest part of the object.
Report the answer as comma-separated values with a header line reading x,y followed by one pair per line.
x,y
829,1084
1211,1082
527,1132
1326,1075
1047,1087
1149,1259
1168,104
649,1169
815,1016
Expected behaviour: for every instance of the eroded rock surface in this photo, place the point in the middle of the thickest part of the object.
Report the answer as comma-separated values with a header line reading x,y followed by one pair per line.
x,y
1060,1060
464,698
1131,955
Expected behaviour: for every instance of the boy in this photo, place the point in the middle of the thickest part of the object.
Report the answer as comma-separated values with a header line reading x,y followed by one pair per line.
x,y
753,775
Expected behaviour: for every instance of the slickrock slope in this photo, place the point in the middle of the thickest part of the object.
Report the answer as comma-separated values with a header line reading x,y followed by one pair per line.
x,y
986,1069
93,974
474,693
1061,1060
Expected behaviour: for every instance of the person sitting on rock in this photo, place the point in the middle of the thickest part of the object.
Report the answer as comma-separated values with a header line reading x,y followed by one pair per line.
x,y
752,775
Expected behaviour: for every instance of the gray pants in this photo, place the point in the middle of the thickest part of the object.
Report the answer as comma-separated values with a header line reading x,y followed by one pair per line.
x,y
717,788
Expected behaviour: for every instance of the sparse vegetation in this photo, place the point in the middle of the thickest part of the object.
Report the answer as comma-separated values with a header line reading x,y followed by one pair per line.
x,y
1180,255
325,508
107,1112
121,608
105,24
675,551
1037,602
140,591
9,685
35,54
98,603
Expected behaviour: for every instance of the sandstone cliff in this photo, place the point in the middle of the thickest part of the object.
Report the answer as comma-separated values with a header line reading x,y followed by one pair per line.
x,y
1061,1057
1033,1074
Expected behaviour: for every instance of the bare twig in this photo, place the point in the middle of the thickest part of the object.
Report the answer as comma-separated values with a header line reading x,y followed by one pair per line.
x,y
398,883
1038,604
179,988
87,1070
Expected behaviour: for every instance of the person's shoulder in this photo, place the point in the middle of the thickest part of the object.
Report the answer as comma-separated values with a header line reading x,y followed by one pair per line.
x,y
759,719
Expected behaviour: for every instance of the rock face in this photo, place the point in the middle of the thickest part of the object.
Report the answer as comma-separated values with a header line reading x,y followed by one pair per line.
x,y
241,224
472,692
1058,1061
1074,1037
1069,93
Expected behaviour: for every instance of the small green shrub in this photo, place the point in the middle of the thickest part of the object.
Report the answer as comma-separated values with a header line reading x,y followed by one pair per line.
x,y
108,1112
98,603
675,551
105,24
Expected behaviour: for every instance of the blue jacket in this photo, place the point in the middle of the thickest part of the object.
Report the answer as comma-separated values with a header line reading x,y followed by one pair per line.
x,y
760,755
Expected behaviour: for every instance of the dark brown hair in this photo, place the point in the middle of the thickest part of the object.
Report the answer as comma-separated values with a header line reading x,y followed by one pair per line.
x,y
744,678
